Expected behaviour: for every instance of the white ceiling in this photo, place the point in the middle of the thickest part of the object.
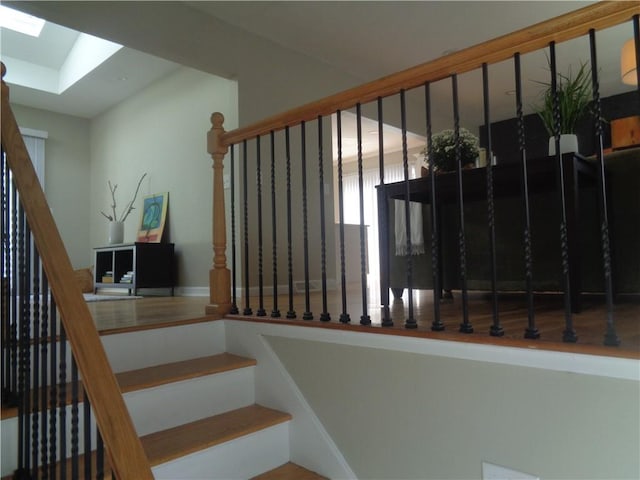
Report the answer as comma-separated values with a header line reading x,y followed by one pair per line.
x,y
366,39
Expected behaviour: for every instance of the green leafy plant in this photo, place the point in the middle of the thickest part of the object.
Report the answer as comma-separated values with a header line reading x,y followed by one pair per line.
x,y
444,149
574,99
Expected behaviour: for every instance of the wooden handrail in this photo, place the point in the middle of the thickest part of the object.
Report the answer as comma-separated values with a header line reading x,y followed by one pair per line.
x,y
559,29
124,449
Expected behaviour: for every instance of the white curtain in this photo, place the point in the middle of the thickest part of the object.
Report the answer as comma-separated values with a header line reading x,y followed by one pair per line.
x,y
370,178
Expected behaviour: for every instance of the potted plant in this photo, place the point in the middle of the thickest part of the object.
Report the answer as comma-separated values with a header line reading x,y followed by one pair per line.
x,y
116,224
444,149
574,98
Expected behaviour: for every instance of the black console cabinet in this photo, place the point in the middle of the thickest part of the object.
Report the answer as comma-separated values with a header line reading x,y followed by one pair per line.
x,y
134,265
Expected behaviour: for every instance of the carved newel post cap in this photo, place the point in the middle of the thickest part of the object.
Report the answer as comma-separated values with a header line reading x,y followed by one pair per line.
x,y
217,119
4,69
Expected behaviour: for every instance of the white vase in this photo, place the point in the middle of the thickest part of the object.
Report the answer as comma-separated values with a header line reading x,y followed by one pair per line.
x,y
116,232
568,143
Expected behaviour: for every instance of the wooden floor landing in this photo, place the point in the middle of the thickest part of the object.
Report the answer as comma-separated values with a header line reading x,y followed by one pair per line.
x,y
590,324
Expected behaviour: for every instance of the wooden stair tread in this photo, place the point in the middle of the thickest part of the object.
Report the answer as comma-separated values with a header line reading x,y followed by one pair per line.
x,y
183,370
182,440
159,375
289,471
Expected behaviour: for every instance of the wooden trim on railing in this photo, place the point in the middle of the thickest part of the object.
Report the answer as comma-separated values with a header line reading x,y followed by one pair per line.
x,y
559,29
219,275
122,443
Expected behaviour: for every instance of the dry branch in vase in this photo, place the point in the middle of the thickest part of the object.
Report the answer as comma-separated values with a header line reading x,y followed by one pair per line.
x,y
127,210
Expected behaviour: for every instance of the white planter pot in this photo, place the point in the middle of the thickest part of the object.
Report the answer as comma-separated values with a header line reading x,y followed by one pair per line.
x,y
568,143
116,232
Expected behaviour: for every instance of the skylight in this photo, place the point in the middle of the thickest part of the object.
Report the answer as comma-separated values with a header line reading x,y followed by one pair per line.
x,y
20,22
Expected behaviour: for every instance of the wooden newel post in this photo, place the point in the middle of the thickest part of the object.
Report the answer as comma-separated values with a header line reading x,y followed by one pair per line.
x,y
219,275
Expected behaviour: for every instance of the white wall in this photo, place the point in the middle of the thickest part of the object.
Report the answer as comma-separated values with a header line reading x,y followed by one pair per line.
x,y
403,408
162,131
67,172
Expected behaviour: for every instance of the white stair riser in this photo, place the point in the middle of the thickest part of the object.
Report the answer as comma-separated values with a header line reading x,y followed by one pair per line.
x,y
173,404
146,348
241,458
9,437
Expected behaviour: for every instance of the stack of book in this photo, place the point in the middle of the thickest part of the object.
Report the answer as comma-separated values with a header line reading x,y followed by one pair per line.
x,y
127,277
107,277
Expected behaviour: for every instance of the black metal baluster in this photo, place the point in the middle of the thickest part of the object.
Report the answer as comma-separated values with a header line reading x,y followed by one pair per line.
x,y
636,37
291,313
569,334
261,312
365,319
410,322
5,261
437,324
62,404
307,315
99,456
75,421
86,410
496,329
35,341
15,285
465,326
53,388
234,290
24,369
324,316
344,316
44,363
383,213
275,312
247,309
610,338
531,331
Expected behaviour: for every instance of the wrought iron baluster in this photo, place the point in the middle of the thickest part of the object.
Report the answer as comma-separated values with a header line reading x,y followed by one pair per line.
x,y
44,370
569,334
365,319
15,285
610,338
496,329
275,312
307,315
531,331
5,263
344,316
53,388
99,456
291,313
234,286
261,312
324,316
86,410
35,341
410,322
75,421
24,368
436,324
247,309
465,326
62,404
383,214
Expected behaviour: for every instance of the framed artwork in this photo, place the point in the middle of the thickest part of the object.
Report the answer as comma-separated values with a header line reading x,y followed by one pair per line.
x,y
154,214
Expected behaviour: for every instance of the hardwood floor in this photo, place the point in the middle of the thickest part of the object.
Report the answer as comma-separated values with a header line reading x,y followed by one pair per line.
x,y
590,324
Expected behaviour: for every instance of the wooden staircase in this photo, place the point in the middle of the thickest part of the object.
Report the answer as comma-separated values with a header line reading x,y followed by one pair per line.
x,y
196,417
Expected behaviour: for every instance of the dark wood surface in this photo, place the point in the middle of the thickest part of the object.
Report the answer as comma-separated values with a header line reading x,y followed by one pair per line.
x,y
542,175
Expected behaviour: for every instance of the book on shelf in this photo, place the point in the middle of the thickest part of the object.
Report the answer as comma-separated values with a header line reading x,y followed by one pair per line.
x,y
107,279
127,277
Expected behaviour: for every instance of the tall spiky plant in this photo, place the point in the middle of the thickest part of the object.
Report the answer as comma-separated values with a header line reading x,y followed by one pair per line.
x,y
574,97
